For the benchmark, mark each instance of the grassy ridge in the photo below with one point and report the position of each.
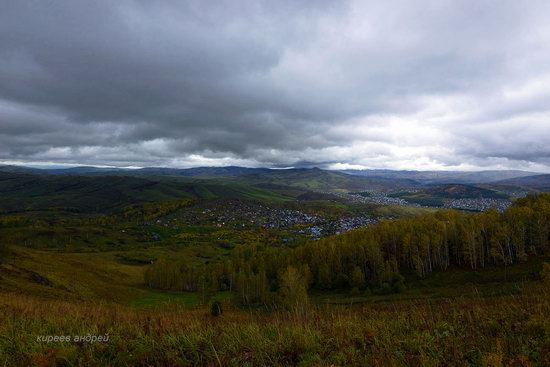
(104, 276)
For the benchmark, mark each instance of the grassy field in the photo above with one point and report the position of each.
(476, 331)
(103, 276)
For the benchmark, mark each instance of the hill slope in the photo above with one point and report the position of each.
(100, 193)
(228, 171)
(538, 182)
(436, 194)
(443, 177)
(316, 179)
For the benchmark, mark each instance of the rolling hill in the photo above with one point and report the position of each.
(444, 177)
(310, 178)
(7, 168)
(457, 191)
(103, 193)
(205, 172)
(538, 182)
(315, 179)
(434, 195)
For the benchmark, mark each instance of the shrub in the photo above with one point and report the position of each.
(342, 280)
(216, 309)
(398, 283)
(385, 288)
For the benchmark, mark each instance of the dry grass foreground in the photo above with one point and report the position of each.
(511, 330)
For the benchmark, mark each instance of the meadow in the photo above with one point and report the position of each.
(462, 331)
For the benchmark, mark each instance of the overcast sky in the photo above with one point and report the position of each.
(368, 84)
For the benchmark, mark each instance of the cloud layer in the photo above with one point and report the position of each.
(393, 84)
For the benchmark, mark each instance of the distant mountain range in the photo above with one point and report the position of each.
(445, 177)
(228, 171)
(315, 178)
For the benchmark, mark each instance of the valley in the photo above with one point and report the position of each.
(284, 248)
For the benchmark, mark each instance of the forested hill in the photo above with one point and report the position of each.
(375, 257)
(22, 191)
(316, 179)
(538, 182)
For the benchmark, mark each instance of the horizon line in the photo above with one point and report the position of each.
(62, 166)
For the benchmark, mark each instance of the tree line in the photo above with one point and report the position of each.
(374, 257)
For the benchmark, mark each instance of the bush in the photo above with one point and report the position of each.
(342, 280)
(385, 288)
(216, 309)
(398, 283)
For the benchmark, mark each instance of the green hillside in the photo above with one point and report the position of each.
(435, 195)
(315, 179)
(107, 193)
(538, 182)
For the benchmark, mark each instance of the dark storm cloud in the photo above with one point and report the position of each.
(377, 84)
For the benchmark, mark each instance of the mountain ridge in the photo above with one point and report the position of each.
(427, 176)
